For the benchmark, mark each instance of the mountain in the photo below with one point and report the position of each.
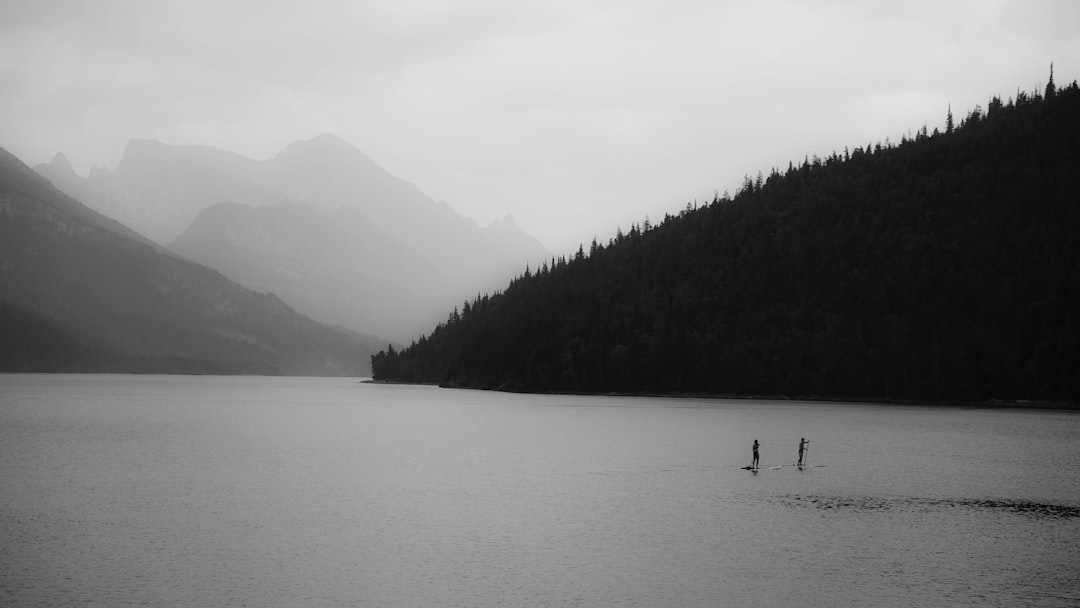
(33, 343)
(415, 258)
(81, 292)
(338, 267)
(943, 268)
(158, 189)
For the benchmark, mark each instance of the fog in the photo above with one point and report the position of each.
(573, 117)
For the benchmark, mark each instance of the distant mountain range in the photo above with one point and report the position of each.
(336, 266)
(943, 268)
(82, 292)
(320, 225)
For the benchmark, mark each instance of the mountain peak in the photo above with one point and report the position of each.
(61, 164)
(141, 155)
(137, 145)
(326, 149)
(507, 221)
(150, 147)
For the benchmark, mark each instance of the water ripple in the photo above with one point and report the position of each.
(870, 504)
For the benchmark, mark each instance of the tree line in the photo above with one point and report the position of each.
(944, 267)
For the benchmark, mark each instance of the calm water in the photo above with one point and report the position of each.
(203, 491)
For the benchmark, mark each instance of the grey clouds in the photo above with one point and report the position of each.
(575, 117)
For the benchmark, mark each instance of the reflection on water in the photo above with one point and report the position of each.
(872, 504)
(125, 490)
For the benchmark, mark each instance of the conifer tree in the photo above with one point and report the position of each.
(940, 268)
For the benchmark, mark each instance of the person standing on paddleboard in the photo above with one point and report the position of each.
(754, 464)
(803, 445)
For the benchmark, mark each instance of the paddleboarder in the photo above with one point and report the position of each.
(803, 446)
(754, 464)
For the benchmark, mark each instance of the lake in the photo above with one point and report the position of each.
(248, 491)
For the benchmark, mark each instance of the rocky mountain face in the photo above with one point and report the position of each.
(84, 293)
(321, 225)
(158, 189)
(338, 267)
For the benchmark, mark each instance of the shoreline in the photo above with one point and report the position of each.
(984, 404)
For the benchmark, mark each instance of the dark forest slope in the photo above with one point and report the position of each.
(945, 267)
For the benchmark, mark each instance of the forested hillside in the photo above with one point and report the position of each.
(943, 267)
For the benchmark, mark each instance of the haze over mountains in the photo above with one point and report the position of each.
(320, 225)
(81, 292)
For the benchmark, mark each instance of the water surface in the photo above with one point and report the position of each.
(239, 491)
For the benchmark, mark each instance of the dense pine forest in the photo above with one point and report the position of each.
(944, 267)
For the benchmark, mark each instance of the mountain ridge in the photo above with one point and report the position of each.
(85, 293)
(160, 190)
(324, 264)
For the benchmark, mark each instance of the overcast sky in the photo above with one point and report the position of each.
(573, 116)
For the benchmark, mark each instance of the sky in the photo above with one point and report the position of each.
(574, 116)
